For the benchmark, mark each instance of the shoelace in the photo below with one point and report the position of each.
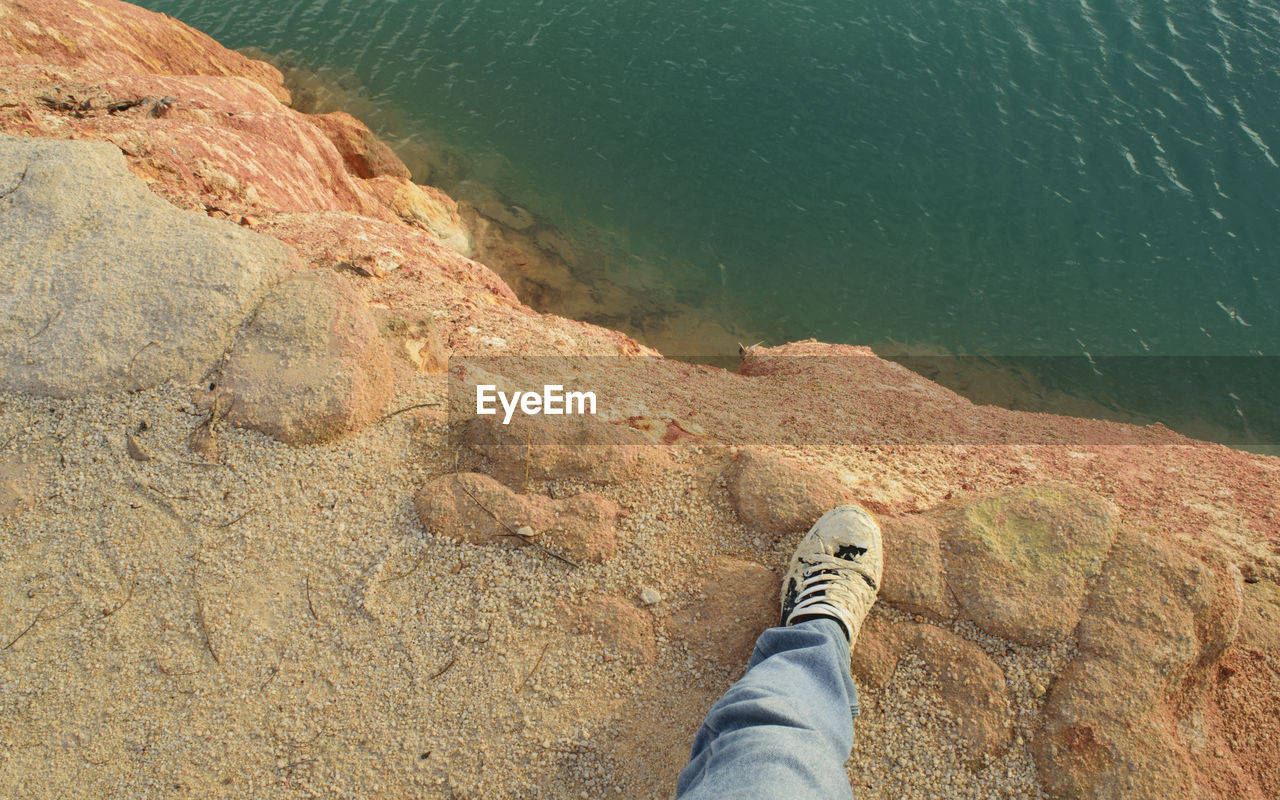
(818, 579)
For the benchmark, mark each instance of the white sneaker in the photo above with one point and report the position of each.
(835, 572)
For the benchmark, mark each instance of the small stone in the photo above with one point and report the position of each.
(525, 532)
(135, 450)
(650, 596)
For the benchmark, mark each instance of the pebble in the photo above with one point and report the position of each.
(650, 596)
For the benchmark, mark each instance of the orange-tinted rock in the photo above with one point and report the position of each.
(110, 37)
(620, 626)
(583, 527)
(224, 144)
(738, 600)
(475, 508)
(973, 690)
(914, 579)
(1116, 721)
(428, 208)
(1018, 562)
(1247, 694)
(578, 447)
(778, 496)
(880, 645)
(310, 365)
(365, 155)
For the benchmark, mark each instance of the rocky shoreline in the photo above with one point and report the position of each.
(242, 556)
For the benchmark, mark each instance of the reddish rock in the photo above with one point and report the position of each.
(365, 155)
(620, 626)
(109, 37)
(477, 509)
(880, 646)
(913, 579)
(778, 496)
(1247, 697)
(583, 527)
(738, 600)
(1115, 724)
(310, 365)
(1018, 562)
(973, 690)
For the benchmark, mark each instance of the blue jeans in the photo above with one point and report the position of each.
(786, 728)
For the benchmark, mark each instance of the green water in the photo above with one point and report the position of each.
(1006, 178)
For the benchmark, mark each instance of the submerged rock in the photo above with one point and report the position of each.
(106, 288)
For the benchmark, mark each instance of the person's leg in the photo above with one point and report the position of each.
(784, 730)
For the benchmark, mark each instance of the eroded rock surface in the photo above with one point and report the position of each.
(620, 626)
(310, 365)
(914, 579)
(365, 155)
(778, 496)
(577, 447)
(1018, 562)
(106, 288)
(973, 689)
(737, 602)
(1116, 723)
(477, 509)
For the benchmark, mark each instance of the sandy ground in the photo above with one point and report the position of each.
(280, 625)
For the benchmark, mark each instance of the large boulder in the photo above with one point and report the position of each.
(104, 287)
(310, 365)
(1123, 720)
(779, 496)
(1018, 562)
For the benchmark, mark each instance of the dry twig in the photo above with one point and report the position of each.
(412, 569)
(26, 630)
(310, 607)
(444, 669)
(204, 626)
(513, 532)
(135, 358)
(106, 612)
(413, 407)
(536, 664)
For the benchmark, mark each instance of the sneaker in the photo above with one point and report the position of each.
(835, 572)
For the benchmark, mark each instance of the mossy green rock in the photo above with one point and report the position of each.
(1017, 563)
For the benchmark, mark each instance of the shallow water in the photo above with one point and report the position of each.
(1007, 178)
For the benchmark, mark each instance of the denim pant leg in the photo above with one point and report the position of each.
(786, 728)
